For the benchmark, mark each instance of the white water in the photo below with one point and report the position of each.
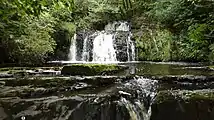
(146, 89)
(103, 45)
(133, 51)
(123, 27)
(72, 50)
(103, 49)
(85, 54)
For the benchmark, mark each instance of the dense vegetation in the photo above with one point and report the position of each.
(180, 30)
(32, 32)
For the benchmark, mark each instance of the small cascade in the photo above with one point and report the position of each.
(139, 108)
(85, 53)
(72, 50)
(132, 51)
(113, 44)
(128, 43)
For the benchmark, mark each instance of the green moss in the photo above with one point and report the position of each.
(164, 96)
(211, 67)
(184, 105)
(91, 69)
(184, 95)
(202, 95)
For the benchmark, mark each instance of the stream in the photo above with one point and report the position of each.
(42, 93)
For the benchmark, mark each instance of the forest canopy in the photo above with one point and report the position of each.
(33, 32)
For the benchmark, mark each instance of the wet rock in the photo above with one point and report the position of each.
(91, 69)
(182, 78)
(2, 83)
(121, 45)
(184, 105)
(66, 108)
(5, 75)
(3, 115)
(116, 102)
(186, 82)
(27, 71)
(63, 81)
(31, 87)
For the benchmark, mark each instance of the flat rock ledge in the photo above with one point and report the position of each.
(92, 69)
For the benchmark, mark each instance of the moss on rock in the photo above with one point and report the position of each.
(184, 105)
(91, 69)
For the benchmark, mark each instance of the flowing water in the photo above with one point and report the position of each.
(130, 95)
(103, 49)
(108, 45)
(127, 95)
(72, 55)
(140, 108)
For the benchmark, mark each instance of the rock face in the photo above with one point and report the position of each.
(91, 69)
(66, 108)
(169, 97)
(114, 102)
(184, 105)
(113, 43)
(123, 45)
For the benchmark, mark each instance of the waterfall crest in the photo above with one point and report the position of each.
(113, 44)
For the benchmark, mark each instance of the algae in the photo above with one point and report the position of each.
(91, 69)
(183, 105)
(184, 95)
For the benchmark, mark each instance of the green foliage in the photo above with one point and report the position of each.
(32, 31)
(27, 28)
(194, 45)
(189, 24)
(94, 14)
(126, 9)
(178, 15)
(63, 36)
(34, 45)
(155, 45)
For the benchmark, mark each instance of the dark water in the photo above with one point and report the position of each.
(167, 68)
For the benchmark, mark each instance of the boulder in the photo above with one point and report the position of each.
(91, 69)
(184, 105)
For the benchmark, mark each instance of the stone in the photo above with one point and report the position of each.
(91, 69)
(62, 108)
(184, 105)
(5, 75)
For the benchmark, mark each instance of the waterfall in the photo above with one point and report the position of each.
(103, 49)
(85, 53)
(113, 44)
(72, 50)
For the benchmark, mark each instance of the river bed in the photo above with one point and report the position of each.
(145, 91)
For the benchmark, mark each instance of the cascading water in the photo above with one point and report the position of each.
(110, 45)
(132, 50)
(139, 108)
(72, 50)
(85, 53)
(123, 27)
(103, 49)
